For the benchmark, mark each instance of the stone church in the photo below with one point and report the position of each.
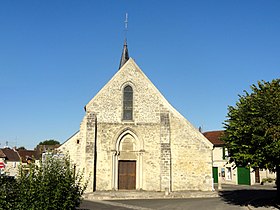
(131, 138)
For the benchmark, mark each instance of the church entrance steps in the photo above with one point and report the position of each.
(121, 195)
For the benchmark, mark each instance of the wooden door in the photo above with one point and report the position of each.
(127, 175)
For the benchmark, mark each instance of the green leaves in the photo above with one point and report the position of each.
(51, 184)
(252, 128)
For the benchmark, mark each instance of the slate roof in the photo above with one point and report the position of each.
(214, 137)
(125, 55)
(11, 155)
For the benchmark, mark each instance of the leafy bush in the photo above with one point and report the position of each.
(52, 184)
(8, 192)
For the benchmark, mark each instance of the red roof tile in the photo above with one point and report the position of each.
(214, 137)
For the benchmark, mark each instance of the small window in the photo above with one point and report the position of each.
(225, 153)
(127, 103)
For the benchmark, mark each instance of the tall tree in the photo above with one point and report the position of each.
(252, 128)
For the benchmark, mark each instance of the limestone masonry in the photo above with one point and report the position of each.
(131, 138)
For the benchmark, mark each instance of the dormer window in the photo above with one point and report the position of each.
(127, 103)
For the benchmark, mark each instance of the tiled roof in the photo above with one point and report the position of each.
(2, 155)
(28, 155)
(11, 155)
(214, 137)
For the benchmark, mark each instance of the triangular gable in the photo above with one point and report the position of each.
(161, 97)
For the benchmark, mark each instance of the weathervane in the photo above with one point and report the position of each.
(126, 25)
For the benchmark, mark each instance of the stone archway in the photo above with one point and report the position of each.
(127, 159)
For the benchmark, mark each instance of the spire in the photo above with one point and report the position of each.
(125, 55)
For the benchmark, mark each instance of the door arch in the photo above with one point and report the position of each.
(127, 160)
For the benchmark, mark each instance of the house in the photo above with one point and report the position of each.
(221, 165)
(228, 172)
(10, 161)
(28, 156)
(131, 138)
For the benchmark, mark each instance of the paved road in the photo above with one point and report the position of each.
(164, 204)
(231, 198)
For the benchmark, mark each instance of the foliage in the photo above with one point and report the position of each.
(21, 148)
(252, 132)
(49, 142)
(52, 184)
(8, 192)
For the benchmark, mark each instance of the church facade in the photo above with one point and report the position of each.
(131, 138)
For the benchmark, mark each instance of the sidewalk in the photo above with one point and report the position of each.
(121, 195)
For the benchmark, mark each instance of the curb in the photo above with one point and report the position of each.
(149, 195)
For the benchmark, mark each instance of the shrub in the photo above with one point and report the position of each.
(52, 184)
(8, 192)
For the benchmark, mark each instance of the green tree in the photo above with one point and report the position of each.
(252, 128)
(49, 142)
(52, 184)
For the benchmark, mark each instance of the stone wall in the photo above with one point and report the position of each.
(191, 157)
(169, 152)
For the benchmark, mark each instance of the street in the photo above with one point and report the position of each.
(231, 197)
(165, 204)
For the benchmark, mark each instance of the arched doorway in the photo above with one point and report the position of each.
(127, 162)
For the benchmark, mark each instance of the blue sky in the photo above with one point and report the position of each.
(56, 55)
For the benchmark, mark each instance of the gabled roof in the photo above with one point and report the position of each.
(2, 155)
(214, 137)
(130, 65)
(28, 155)
(11, 155)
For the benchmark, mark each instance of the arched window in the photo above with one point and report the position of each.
(127, 102)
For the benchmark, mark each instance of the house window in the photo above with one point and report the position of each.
(223, 172)
(127, 102)
(225, 153)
